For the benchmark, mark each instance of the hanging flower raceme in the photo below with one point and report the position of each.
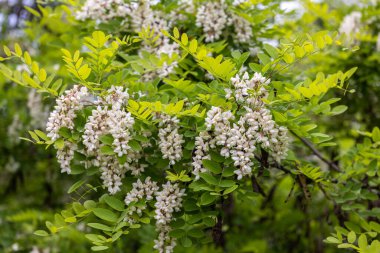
(103, 10)
(64, 112)
(168, 201)
(212, 18)
(141, 192)
(351, 23)
(170, 140)
(240, 139)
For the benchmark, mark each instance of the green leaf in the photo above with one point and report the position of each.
(186, 242)
(332, 240)
(41, 233)
(231, 189)
(59, 144)
(362, 241)
(42, 75)
(184, 39)
(193, 46)
(196, 233)
(75, 186)
(376, 134)
(99, 248)
(339, 109)
(114, 203)
(209, 178)
(105, 214)
(71, 219)
(351, 237)
(106, 150)
(271, 50)
(227, 183)
(18, 49)
(106, 139)
(212, 166)
(177, 233)
(7, 51)
(288, 58)
(345, 246)
(176, 32)
(100, 226)
(32, 11)
(207, 198)
(135, 145)
(264, 58)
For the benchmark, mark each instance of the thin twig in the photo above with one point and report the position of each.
(316, 152)
(256, 186)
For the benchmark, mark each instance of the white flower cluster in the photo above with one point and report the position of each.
(170, 141)
(143, 17)
(38, 112)
(243, 29)
(117, 122)
(249, 91)
(168, 201)
(239, 140)
(212, 18)
(65, 155)
(14, 130)
(12, 165)
(116, 97)
(202, 147)
(63, 116)
(351, 23)
(103, 10)
(95, 127)
(256, 127)
(140, 190)
(239, 2)
(64, 112)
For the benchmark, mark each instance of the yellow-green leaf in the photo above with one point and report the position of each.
(176, 32)
(184, 39)
(18, 49)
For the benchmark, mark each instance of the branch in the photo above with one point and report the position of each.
(256, 187)
(317, 153)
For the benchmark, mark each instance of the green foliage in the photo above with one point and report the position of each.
(173, 80)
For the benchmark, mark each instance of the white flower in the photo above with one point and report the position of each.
(202, 146)
(14, 130)
(112, 173)
(103, 10)
(249, 91)
(255, 128)
(170, 141)
(119, 123)
(140, 191)
(116, 97)
(12, 165)
(168, 201)
(212, 18)
(65, 155)
(95, 127)
(243, 29)
(38, 112)
(351, 23)
(239, 2)
(64, 112)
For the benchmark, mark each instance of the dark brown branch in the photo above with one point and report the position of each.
(256, 186)
(263, 162)
(218, 234)
(316, 152)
